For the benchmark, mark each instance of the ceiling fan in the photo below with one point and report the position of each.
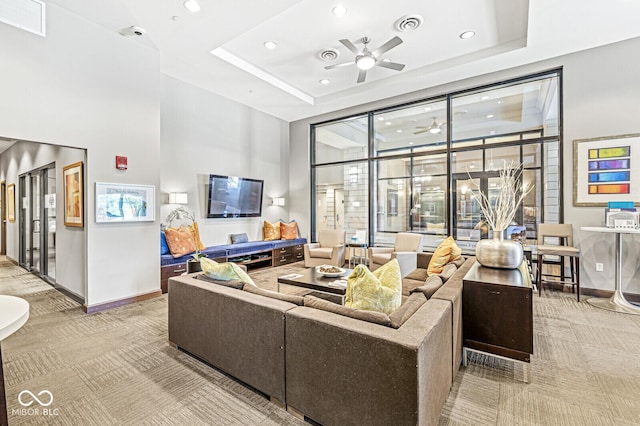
(366, 59)
(434, 128)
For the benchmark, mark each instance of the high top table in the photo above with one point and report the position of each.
(617, 302)
(14, 312)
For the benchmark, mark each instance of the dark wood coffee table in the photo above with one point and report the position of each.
(312, 280)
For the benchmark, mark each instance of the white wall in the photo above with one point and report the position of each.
(88, 87)
(601, 98)
(204, 133)
(23, 157)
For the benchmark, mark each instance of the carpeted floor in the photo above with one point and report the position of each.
(116, 367)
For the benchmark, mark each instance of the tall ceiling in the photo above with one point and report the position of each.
(285, 81)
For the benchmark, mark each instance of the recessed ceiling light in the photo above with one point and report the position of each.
(380, 118)
(490, 116)
(388, 123)
(192, 5)
(501, 101)
(270, 44)
(399, 131)
(484, 98)
(492, 132)
(325, 81)
(467, 34)
(339, 10)
(410, 143)
(427, 108)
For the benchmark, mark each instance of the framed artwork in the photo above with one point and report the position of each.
(11, 202)
(73, 195)
(392, 203)
(606, 169)
(120, 202)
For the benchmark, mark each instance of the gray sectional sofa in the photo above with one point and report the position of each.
(332, 368)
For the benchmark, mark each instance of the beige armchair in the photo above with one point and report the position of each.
(405, 249)
(329, 250)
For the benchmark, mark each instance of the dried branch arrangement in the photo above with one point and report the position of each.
(501, 214)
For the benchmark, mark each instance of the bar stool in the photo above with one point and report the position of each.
(564, 234)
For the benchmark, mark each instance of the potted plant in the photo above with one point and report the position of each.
(498, 252)
(193, 265)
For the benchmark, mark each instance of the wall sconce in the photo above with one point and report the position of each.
(178, 198)
(279, 201)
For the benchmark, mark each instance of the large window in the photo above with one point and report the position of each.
(413, 167)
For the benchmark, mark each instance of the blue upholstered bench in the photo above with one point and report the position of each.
(258, 253)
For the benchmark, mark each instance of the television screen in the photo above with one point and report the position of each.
(232, 196)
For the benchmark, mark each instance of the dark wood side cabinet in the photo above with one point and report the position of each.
(497, 312)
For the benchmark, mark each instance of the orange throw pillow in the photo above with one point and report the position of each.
(443, 255)
(180, 241)
(195, 233)
(271, 231)
(289, 231)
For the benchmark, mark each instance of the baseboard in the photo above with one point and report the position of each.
(116, 303)
(69, 294)
(590, 292)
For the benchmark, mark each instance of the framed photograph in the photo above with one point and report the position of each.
(73, 183)
(120, 202)
(606, 169)
(11, 202)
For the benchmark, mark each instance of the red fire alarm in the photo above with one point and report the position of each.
(121, 162)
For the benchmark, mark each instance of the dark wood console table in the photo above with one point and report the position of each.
(497, 313)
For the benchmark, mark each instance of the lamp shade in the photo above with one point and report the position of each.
(278, 201)
(178, 198)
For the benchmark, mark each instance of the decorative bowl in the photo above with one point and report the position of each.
(329, 270)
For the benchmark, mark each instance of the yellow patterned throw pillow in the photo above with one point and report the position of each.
(447, 251)
(271, 231)
(195, 233)
(289, 231)
(227, 271)
(380, 290)
(180, 241)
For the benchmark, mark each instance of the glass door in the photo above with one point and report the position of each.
(24, 218)
(35, 222)
(49, 208)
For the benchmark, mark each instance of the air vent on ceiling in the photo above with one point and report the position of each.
(409, 22)
(28, 15)
(328, 55)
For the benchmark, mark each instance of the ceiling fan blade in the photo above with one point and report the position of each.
(419, 132)
(387, 46)
(362, 75)
(352, 47)
(390, 65)
(344, 64)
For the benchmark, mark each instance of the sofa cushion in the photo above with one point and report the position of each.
(321, 252)
(227, 271)
(239, 238)
(407, 309)
(229, 283)
(369, 316)
(180, 241)
(288, 231)
(380, 290)
(430, 286)
(417, 274)
(447, 272)
(445, 252)
(459, 261)
(271, 231)
(298, 300)
(164, 248)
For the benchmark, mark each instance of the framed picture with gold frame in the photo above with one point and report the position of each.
(11, 202)
(73, 194)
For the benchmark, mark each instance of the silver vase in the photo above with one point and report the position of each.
(499, 253)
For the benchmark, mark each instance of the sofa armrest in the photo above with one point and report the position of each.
(337, 255)
(309, 246)
(401, 376)
(408, 261)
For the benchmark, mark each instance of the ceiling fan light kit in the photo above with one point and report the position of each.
(366, 59)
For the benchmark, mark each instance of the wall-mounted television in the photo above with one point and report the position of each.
(232, 196)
